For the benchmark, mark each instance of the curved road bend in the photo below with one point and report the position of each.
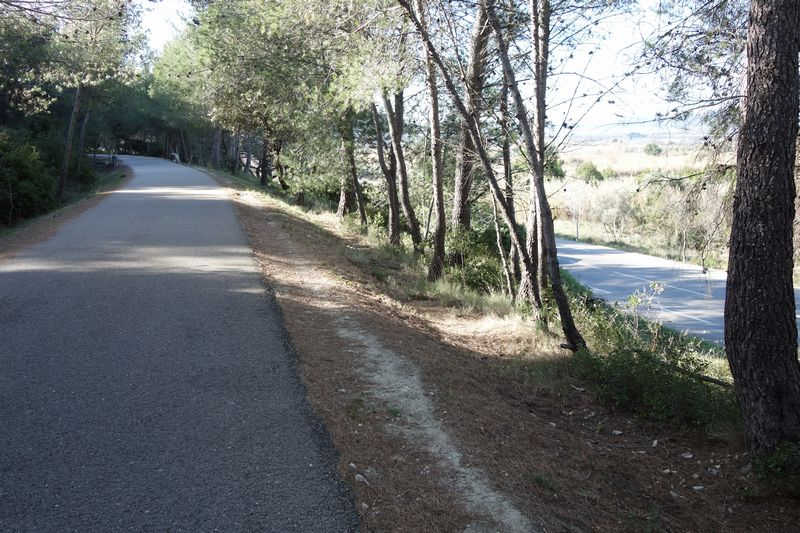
(692, 301)
(145, 382)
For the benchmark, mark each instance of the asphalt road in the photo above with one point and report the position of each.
(145, 379)
(692, 301)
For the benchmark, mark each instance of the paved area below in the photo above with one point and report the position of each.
(145, 379)
(692, 300)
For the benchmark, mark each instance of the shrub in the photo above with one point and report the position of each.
(553, 165)
(781, 468)
(474, 260)
(653, 149)
(27, 185)
(589, 173)
(641, 381)
(642, 367)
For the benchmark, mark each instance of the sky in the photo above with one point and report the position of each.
(163, 20)
(635, 103)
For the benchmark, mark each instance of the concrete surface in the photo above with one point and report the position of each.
(693, 301)
(145, 379)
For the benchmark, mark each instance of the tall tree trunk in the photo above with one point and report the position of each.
(235, 160)
(265, 164)
(348, 150)
(760, 327)
(82, 139)
(390, 174)
(436, 266)
(535, 153)
(465, 154)
(396, 118)
(249, 159)
(505, 124)
(216, 149)
(279, 166)
(477, 139)
(345, 189)
(64, 176)
(186, 156)
(540, 29)
(504, 259)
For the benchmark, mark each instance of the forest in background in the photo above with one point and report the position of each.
(434, 126)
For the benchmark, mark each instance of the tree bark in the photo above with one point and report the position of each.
(540, 30)
(465, 154)
(390, 173)
(82, 138)
(474, 130)
(504, 259)
(216, 149)
(279, 166)
(186, 156)
(235, 161)
(348, 150)
(249, 158)
(64, 176)
(436, 266)
(760, 327)
(505, 124)
(536, 155)
(265, 165)
(395, 115)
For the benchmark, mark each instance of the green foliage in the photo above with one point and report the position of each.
(589, 173)
(27, 185)
(781, 468)
(641, 381)
(642, 367)
(653, 149)
(553, 165)
(475, 263)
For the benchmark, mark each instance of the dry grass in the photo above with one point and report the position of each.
(628, 158)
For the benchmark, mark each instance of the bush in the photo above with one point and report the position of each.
(27, 185)
(642, 367)
(653, 149)
(641, 381)
(589, 173)
(474, 259)
(781, 468)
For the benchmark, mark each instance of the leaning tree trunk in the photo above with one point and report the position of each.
(436, 266)
(760, 327)
(535, 155)
(477, 139)
(64, 176)
(390, 173)
(466, 159)
(395, 115)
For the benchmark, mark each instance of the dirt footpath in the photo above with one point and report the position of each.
(443, 426)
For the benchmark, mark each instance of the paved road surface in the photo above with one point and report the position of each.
(692, 301)
(145, 384)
